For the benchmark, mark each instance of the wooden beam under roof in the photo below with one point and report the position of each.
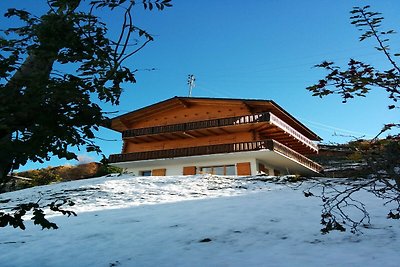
(176, 136)
(166, 136)
(248, 107)
(225, 131)
(183, 102)
(211, 131)
(189, 135)
(263, 126)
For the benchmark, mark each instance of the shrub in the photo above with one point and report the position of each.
(43, 176)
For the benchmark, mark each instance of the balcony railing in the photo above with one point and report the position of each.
(253, 118)
(290, 153)
(289, 129)
(188, 126)
(218, 149)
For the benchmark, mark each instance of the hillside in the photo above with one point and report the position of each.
(63, 173)
(68, 172)
(339, 161)
(336, 160)
(192, 221)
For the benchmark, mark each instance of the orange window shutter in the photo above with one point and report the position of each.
(158, 172)
(243, 168)
(189, 170)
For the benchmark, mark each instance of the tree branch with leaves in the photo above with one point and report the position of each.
(382, 156)
(50, 70)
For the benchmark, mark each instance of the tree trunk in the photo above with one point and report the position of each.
(34, 71)
(5, 168)
(6, 161)
(36, 66)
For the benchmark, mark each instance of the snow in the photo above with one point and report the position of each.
(161, 221)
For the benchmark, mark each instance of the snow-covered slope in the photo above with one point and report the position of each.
(192, 221)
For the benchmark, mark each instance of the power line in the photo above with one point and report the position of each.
(329, 128)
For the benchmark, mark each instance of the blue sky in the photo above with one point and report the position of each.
(251, 49)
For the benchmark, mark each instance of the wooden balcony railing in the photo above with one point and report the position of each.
(218, 149)
(188, 126)
(290, 130)
(253, 118)
(290, 153)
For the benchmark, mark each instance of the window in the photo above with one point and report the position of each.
(230, 170)
(145, 173)
(206, 170)
(262, 169)
(219, 170)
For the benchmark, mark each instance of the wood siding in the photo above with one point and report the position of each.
(189, 142)
(194, 113)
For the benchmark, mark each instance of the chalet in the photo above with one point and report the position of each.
(188, 135)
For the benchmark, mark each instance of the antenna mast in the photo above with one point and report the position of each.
(190, 82)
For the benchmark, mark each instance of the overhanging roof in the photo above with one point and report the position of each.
(174, 102)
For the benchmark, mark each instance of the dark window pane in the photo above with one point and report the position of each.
(145, 173)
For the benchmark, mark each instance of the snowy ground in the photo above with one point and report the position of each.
(161, 221)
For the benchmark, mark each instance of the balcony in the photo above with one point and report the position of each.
(190, 126)
(270, 145)
(267, 124)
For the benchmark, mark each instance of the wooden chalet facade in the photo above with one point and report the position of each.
(188, 135)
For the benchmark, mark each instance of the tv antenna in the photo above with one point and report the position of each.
(190, 82)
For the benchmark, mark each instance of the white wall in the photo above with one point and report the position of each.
(174, 166)
(177, 167)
